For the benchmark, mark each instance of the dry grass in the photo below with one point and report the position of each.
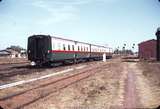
(100, 91)
(149, 83)
(12, 60)
(151, 70)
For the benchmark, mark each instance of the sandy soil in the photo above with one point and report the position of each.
(118, 84)
(102, 90)
(148, 83)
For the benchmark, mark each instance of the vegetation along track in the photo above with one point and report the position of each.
(8, 71)
(45, 87)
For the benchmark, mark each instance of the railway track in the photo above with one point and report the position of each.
(44, 88)
(9, 73)
(9, 70)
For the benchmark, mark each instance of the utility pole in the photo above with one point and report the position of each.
(158, 44)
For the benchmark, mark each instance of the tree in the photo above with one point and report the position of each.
(16, 48)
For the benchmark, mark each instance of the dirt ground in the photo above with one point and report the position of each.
(118, 84)
(10, 60)
(110, 88)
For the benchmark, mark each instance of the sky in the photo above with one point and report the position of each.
(105, 22)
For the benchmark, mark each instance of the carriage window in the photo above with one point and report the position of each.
(73, 47)
(68, 47)
(59, 46)
(64, 48)
(81, 48)
(84, 48)
(78, 48)
(53, 46)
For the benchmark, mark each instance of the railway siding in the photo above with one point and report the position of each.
(39, 78)
(46, 87)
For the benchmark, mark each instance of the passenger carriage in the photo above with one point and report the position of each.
(44, 49)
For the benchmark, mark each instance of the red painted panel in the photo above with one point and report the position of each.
(147, 49)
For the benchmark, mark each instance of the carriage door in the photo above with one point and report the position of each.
(39, 48)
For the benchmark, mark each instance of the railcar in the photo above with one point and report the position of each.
(45, 49)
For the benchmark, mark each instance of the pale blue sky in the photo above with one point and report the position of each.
(112, 22)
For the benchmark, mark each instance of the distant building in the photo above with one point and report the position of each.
(147, 50)
(23, 53)
(4, 53)
(12, 53)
